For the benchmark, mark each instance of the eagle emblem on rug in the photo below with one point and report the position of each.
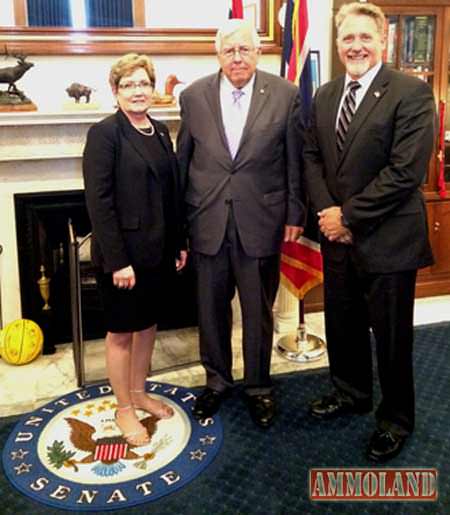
(105, 453)
(71, 454)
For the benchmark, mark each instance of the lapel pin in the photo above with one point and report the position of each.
(261, 91)
(377, 94)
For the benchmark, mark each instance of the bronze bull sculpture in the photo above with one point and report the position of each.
(76, 91)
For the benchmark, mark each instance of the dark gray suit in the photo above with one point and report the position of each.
(376, 180)
(236, 211)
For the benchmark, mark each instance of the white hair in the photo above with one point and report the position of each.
(234, 25)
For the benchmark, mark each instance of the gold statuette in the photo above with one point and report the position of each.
(44, 288)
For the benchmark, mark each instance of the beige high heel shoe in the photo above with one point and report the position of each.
(134, 438)
(163, 411)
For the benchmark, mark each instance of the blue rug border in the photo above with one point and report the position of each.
(181, 461)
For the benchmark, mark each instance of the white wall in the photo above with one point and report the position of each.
(7, 13)
(320, 22)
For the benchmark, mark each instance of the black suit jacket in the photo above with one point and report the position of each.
(377, 177)
(263, 181)
(128, 226)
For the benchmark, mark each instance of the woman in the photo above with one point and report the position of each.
(131, 183)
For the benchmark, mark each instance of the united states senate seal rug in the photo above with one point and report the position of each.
(70, 454)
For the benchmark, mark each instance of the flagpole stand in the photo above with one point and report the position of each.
(301, 347)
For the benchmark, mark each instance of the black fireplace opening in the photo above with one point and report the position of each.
(42, 221)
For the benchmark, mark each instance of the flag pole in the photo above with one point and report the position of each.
(300, 260)
(301, 346)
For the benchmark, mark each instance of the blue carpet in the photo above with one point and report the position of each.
(266, 472)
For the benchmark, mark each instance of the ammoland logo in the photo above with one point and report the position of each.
(377, 484)
(71, 455)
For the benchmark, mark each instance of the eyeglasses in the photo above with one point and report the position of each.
(243, 51)
(131, 86)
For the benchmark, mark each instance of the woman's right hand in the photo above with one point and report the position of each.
(180, 262)
(124, 278)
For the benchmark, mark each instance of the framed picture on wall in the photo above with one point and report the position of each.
(315, 69)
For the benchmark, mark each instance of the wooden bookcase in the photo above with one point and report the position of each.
(418, 43)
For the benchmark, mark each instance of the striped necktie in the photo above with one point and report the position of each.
(347, 111)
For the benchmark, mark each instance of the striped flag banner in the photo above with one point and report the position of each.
(301, 266)
(301, 263)
(236, 9)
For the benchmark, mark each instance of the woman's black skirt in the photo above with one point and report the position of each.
(136, 309)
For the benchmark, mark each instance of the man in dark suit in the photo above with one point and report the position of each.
(366, 154)
(239, 151)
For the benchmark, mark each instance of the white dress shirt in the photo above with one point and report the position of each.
(365, 81)
(234, 116)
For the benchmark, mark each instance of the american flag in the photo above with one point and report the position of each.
(301, 263)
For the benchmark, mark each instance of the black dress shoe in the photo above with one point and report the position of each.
(336, 405)
(262, 409)
(207, 403)
(384, 445)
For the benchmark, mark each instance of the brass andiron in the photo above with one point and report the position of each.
(44, 288)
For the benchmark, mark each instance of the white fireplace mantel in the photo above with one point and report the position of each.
(40, 152)
(74, 117)
(31, 136)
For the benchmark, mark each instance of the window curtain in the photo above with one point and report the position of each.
(109, 13)
(49, 13)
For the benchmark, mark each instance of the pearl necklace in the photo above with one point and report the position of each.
(152, 130)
